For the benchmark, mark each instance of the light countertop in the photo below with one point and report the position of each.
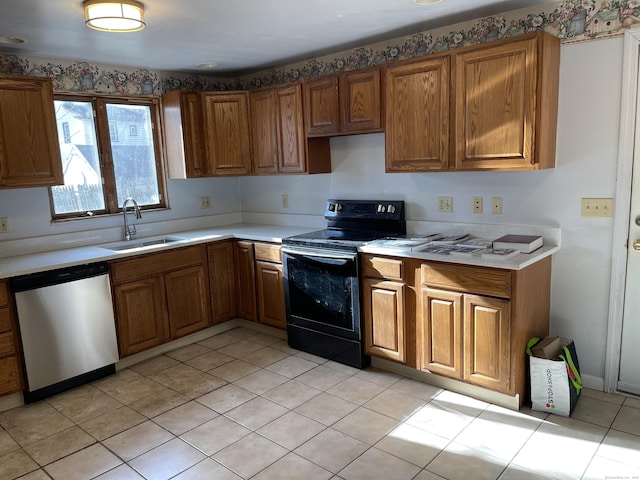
(517, 262)
(39, 262)
(50, 260)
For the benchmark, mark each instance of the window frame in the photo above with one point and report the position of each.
(104, 144)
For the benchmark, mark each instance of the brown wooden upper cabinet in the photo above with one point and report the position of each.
(503, 100)
(322, 106)
(228, 141)
(29, 151)
(506, 105)
(184, 135)
(278, 139)
(361, 101)
(417, 126)
(207, 134)
(345, 103)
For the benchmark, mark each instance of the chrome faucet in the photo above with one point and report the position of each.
(130, 230)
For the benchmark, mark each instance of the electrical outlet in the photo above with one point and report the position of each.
(285, 200)
(477, 204)
(496, 205)
(597, 207)
(205, 202)
(445, 204)
(4, 225)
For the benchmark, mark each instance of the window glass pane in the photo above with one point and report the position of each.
(134, 161)
(82, 190)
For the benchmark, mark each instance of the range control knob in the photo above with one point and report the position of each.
(338, 207)
(332, 207)
(382, 208)
(391, 208)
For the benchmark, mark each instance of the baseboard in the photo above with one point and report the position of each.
(594, 383)
(11, 401)
(506, 401)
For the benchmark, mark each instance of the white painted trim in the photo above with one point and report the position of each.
(594, 383)
(480, 393)
(626, 150)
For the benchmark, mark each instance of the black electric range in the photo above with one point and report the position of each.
(321, 271)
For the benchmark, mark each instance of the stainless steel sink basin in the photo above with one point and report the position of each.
(123, 247)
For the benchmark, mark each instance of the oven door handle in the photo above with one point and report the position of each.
(327, 259)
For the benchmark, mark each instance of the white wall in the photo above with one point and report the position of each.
(589, 109)
(30, 216)
(588, 119)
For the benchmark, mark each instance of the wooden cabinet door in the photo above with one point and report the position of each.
(10, 375)
(188, 300)
(384, 319)
(141, 315)
(487, 334)
(495, 107)
(322, 106)
(361, 101)
(441, 319)
(10, 371)
(29, 150)
(264, 131)
(270, 286)
(227, 132)
(291, 146)
(222, 281)
(245, 280)
(417, 116)
(184, 134)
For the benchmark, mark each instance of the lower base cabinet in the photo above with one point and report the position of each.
(160, 297)
(260, 283)
(388, 304)
(222, 281)
(466, 337)
(244, 257)
(11, 380)
(468, 323)
(270, 285)
(142, 320)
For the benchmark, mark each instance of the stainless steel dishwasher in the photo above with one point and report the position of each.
(67, 328)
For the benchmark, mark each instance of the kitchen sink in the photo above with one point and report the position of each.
(123, 247)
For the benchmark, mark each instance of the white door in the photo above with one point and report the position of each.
(629, 375)
(624, 315)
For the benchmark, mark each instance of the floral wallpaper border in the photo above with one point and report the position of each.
(570, 20)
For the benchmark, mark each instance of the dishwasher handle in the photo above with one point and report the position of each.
(58, 276)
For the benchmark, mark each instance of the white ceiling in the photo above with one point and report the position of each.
(240, 35)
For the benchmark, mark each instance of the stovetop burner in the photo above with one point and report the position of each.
(352, 223)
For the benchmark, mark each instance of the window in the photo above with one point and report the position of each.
(66, 132)
(102, 165)
(113, 132)
(133, 130)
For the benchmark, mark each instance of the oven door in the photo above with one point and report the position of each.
(321, 291)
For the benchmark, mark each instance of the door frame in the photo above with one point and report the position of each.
(628, 150)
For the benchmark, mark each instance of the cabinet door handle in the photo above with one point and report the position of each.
(636, 245)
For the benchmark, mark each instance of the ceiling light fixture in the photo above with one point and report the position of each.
(111, 16)
(208, 65)
(425, 2)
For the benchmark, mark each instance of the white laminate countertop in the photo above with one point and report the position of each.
(517, 262)
(50, 260)
(43, 261)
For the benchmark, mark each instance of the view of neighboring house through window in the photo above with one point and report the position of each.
(103, 160)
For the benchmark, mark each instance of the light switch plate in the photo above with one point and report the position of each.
(4, 225)
(597, 207)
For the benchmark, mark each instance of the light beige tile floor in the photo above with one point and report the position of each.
(243, 404)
